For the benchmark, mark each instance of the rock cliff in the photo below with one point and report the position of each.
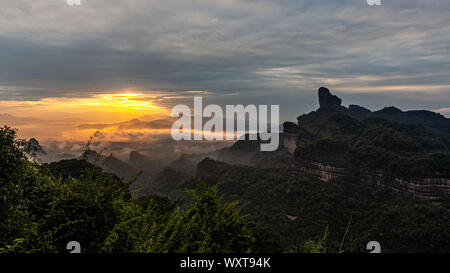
(370, 136)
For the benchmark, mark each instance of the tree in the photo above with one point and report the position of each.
(207, 226)
(19, 188)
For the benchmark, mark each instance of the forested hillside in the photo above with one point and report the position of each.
(42, 208)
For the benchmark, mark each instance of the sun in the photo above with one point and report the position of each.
(101, 107)
(130, 101)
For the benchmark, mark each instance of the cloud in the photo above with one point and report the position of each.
(444, 111)
(277, 51)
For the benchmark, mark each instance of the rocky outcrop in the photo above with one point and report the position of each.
(34, 147)
(332, 105)
(333, 165)
(326, 99)
(325, 172)
(431, 189)
(434, 190)
(290, 136)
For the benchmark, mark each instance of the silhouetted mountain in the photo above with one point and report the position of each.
(58, 157)
(328, 100)
(331, 105)
(35, 148)
(10, 120)
(149, 165)
(248, 152)
(110, 164)
(68, 168)
(188, 162)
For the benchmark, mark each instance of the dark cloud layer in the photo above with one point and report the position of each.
(240, 51)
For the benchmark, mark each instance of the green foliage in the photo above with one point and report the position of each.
(20, 192)
(269, 195)
(207, 226)
(141, 220)
(164, 183)
(319, 246)
(377, 145)
(42, 208)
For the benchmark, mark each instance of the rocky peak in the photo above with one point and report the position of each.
(326, 99)
(34, 148)
(34, 142)
(135, 157)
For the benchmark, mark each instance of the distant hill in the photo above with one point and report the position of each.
(7, 119)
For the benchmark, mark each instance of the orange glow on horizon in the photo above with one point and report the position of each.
(61, 117)
(108, 106)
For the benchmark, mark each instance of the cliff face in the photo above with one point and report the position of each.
(431, 189)
(290, 136)
(335, 143)
(324, 171)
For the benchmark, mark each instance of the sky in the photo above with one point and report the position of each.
(65, 68)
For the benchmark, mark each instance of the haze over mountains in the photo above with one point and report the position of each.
(337, 166)
(90, 89)
(427, 132)
(123, 137)
(385, 173)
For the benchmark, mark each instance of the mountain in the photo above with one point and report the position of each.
(334, 144)
(188, 162)
(300, 206)
(7, 119)
(111, 164)
(168, 182)
(331, 105)
(385, 174)
(357, 174)
(403, 151)
(150, 165)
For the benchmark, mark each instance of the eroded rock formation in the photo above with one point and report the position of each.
(433, 189)
(326, 99)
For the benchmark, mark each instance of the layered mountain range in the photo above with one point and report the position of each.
(383, 173)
